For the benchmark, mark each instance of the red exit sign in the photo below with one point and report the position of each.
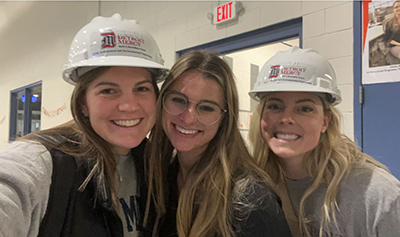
(224, 12)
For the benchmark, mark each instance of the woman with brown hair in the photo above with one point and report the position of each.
(202, 179)
(86, 177)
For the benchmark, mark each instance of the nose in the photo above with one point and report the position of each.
(189, 115)
(287, 117)
(128, 103)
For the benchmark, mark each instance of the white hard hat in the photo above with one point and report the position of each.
(297, 70)
(112, 41)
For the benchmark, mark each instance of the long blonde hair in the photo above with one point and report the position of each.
(328, 163)
(205, 202)
(77, 138)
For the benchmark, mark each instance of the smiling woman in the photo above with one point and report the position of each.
(120, 105)
(285, 108)
(211, 187)
(86, 177)
(186, 131)
(328, 187)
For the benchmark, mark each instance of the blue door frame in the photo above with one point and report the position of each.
(277, 32)
(357, 52)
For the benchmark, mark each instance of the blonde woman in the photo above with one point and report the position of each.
(209, 186)
(328, 187)
(86, 177)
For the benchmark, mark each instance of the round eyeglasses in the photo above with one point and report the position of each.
(207, 112)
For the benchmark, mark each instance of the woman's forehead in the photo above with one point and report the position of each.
(292, 95)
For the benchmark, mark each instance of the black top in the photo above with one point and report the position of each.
(72, 213)
(263, 218)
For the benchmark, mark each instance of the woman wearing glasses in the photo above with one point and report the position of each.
(202, 178)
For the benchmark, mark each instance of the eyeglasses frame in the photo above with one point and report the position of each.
(194, 102)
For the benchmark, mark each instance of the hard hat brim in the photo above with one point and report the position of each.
(112, 62)
(267, 88)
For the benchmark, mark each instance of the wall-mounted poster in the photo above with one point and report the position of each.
(381, 42)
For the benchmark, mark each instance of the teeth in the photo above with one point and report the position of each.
(182, 130)
(286, 136)
(127, 123)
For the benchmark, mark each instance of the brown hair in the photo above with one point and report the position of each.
(225, 160)
(77, 137)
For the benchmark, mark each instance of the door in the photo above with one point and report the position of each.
(377, 129)
(381, 124)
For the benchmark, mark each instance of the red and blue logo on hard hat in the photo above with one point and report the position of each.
(274, 72)
(108, 40)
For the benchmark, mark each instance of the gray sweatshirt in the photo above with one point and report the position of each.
(25, 177)
(368, 201)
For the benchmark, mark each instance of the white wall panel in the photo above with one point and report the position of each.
(210, 33)
(277, 11)
(148, 22)
(333, 45)
(199, 18)
(339, 17)
(247, 22)
(347, 99)
(314, 24)
(314, 6)
(187, 40)
(348, 125)
(344, 69)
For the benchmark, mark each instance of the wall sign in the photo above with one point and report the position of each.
(381, 42)
(226, 12)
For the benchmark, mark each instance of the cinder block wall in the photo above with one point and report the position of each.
(35, 38)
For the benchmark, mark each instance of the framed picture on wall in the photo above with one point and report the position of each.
(381, 41)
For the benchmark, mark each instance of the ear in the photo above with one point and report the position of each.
(85, 110)
(326, 120)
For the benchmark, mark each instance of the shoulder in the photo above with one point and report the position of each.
(25, 178)
(251, 187)
(257, 210)
(22, 145)
(27, 163)
(370, 178)
(250, 194)
(369, 200)
(28, 153)
(371, 188)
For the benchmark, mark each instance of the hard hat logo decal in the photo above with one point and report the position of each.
(297, 71)
(130, 40)
(274, 72)
(287, 72)
(120, 43)
(108, 40)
